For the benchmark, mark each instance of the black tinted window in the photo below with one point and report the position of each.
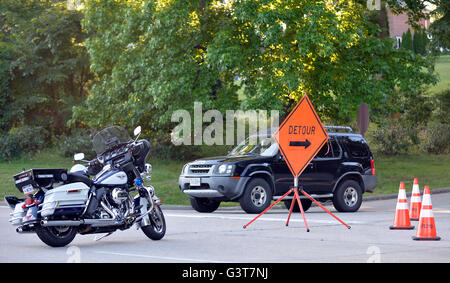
(356, 146)
(336, 148)
(325, 151)
(329, 150)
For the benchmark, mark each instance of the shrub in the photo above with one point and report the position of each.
(442, 106)
(19, 141)
(394, 137)
(437, 138)
(78, 141)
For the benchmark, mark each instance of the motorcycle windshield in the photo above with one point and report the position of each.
(109, 137)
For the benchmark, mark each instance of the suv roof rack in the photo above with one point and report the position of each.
(338, 128)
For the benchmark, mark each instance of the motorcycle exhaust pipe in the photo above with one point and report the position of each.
(53, 223)
(92, 222)
(102, 222)
(23, 230)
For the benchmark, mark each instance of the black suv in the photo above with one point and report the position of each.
(254, 173)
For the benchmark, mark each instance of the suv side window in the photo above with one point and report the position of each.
(336, 149)
(329, 150)
(356, 146)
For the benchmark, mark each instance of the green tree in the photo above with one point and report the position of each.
(154, 57)
(49, 66)
(407, 41)
(5, 113)
(420, 42)
(151, 59)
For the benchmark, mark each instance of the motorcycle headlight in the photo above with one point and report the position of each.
(225, 169)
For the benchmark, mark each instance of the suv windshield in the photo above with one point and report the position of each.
(257, 145)
(109, 137)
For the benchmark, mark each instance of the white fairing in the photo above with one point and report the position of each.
(143, 202)
(70, 195)
(78, 168)
(112, 178)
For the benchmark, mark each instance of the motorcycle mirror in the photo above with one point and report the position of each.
(148, 168)
(137, 131)
(78, 156)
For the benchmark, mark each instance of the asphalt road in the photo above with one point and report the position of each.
(219, 237)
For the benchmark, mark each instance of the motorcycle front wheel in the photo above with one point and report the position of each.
(157, 228)
(56, 236)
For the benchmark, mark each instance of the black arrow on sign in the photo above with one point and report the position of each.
(300, 143)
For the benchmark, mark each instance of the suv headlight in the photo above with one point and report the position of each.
(183, 171)
(225, 169)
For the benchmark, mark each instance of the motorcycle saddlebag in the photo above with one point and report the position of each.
(68, 199)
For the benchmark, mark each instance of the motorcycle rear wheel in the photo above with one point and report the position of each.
(157, 228)
(56, 236)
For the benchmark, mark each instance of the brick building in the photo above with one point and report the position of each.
(398, 24)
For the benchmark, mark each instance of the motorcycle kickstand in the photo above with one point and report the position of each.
(101, 237)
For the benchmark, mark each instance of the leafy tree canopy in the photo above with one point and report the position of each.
(48, 63)
(153, 57)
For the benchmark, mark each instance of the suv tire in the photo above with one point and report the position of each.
(204, 204)
(257, 196)
(348, 196)
(306, 204)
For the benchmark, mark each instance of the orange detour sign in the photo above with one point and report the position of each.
(300, 136)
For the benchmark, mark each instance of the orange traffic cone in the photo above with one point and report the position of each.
(401, 219)
(427, 228)
(416, 202)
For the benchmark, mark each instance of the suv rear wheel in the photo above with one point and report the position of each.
(348, 196)
(256, 197)
(204, 204)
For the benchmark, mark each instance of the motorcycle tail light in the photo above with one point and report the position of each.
(372, 166)
(28, 201)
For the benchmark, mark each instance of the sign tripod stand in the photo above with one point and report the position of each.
(296, 197)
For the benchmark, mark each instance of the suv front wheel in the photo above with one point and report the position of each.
(256, 197)
(348, 196)
(204, 204)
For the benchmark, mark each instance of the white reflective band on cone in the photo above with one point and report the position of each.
(402, 205)
(426, 213)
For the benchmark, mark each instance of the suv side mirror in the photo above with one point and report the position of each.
(279, 156)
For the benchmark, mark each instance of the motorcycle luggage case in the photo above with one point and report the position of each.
(40, 178)
(68, 199)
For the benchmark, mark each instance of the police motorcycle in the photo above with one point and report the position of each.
(59, 204)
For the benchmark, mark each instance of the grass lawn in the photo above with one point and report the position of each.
(432, 170)
(164, 176)
(442, 67)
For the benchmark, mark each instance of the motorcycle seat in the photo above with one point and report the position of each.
(76, 177)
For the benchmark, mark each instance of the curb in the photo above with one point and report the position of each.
(394, 196)
(234, 208)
